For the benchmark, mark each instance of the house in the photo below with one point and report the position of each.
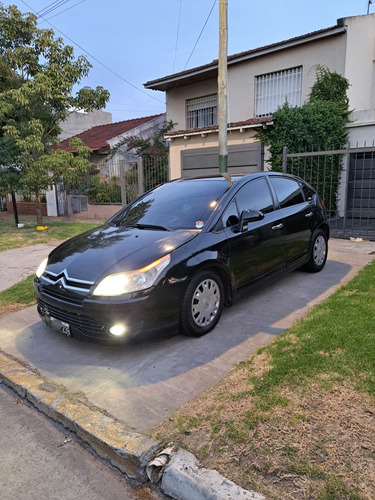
(102, 138)
(79, 120)
(259, 81)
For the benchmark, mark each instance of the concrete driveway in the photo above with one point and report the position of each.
(141, 384)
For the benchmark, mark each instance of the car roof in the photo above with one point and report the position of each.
(225, 176)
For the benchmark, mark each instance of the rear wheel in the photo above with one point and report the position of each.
(202, 304)
(318, 252)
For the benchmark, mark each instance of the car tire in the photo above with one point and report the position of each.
(202, 304)
(318, 252)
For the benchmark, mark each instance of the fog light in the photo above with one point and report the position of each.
(117, 330)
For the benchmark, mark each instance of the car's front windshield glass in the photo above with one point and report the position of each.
(183, 204)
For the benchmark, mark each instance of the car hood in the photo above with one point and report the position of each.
(104, 250)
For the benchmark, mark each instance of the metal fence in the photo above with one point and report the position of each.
(120, 180)
(345, 179)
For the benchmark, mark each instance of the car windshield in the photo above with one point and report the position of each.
(182, 204)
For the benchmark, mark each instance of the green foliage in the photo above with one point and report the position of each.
(318, 125)
(36, 95)
(10, 182)
(330, 87)
(20, 293)
(103, 191)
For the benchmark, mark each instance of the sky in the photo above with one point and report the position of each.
(130, 42)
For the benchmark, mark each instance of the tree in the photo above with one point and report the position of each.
(39, 73)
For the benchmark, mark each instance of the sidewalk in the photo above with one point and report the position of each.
(139, 385)
(16, 265)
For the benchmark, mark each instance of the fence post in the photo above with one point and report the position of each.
(141, 187)
(285, 152)
(122, 182)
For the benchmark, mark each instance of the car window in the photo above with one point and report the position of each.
(230, 215)
(255, 195)
(184, 204)
(307, 191)
(288, 191)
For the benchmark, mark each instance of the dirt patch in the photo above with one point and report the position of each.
(14, 307)
(320, 445)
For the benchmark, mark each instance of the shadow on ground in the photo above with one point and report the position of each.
(266, 312)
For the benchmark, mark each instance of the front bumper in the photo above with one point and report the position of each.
(143, 316)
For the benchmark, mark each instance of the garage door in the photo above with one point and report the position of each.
(245, 158)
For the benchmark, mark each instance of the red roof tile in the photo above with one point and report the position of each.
(96, 137)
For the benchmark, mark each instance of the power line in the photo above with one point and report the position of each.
(51, 7)
(71, 7)
(196, 43)
(177, 35)
(200, 34)
(96, 59)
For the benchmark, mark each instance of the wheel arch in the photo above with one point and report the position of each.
(222, 274)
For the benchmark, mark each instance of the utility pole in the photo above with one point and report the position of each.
(222, 85)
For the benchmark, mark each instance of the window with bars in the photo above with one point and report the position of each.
(201, 112)
(273, 89)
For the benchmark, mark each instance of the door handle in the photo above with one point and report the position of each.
(279, 226)
(310, 214)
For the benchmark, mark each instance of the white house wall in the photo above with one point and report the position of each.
(176, 100)
(241, 77)
(359, 62)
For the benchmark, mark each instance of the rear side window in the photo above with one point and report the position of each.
(255, 195)
(288, 191)
(308, 192)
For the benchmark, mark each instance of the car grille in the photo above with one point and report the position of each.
(87, 325)
(61, 286)
(51, 292)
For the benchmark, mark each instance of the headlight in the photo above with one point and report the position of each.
(132, 281)
(41, 268)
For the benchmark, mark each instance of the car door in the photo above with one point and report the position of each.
(258, 249)
(297, 216)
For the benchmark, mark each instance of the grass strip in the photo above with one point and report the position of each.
(20, 293)
(296, 419)
(14, 237)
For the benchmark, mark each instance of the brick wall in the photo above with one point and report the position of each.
(26, 208)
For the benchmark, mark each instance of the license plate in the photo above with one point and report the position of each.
(61, 326)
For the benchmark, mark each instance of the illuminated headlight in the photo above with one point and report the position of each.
(41, 268)
(132, 281)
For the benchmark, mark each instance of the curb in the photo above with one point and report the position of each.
(183, 479)
(113, 441)
(110, 439)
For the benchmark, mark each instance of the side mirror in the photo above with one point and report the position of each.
(247, 216)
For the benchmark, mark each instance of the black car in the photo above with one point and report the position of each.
(175, 256)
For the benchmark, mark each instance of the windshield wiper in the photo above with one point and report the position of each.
(150, 226)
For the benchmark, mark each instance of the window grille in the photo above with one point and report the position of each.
(272, 90)
(201, 112)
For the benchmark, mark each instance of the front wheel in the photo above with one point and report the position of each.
(318, 252)
(202, 304)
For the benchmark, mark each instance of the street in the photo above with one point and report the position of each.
(40, 460)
